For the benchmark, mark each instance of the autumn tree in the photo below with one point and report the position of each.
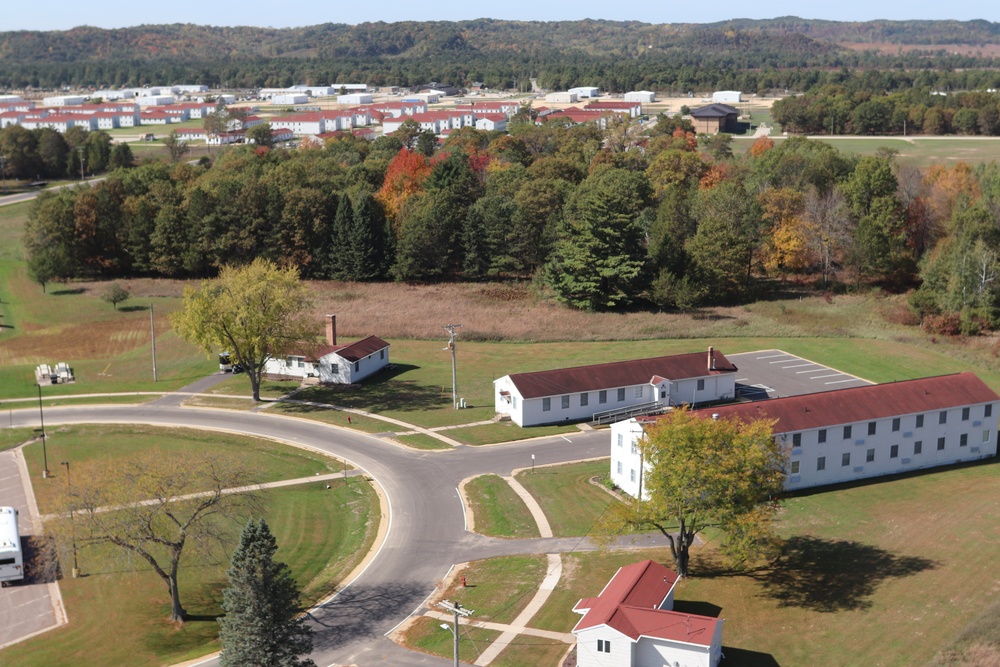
(176, 147)
(255, 312)
(699, 473)
(158, 509)
(404, 177)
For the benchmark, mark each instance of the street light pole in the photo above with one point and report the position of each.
(450, 328)
(79, 149)
(457, 610)
(41, 418)
(72, 521)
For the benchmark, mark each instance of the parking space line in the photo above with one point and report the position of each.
(800, 366)
(781, 361)
(741, 379)
(772, 356)
(839, 381)
(812, 370)
(831, 375)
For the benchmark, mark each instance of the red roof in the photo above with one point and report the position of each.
(618, 374)
(630, 603)
(298, 118)
(362, 348)
(858, 404)
(613, 105)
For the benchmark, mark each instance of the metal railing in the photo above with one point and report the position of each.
(608, 416)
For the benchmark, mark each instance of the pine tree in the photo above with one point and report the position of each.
(369, 240)
(260, 628)
(341, 262)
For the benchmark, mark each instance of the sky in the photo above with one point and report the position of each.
(65, 14)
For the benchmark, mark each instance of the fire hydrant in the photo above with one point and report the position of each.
(348, 419)
(463, 582)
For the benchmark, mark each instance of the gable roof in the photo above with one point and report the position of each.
(362, 348)
(630, 604)
(618, 374)
(714, 111)
(858, 404)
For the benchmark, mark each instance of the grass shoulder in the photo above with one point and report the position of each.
(497, 510)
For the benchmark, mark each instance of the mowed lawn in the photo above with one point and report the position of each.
(886, 573)
(552, 486)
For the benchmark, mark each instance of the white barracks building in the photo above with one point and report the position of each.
(852, 434)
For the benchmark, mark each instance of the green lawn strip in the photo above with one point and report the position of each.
(12, 437)
(335, 417)
(106, 443)
(422, 441)
(426, 634)
(529, 650)
(239, 384)
(222, 402)
(487, 434)
(120, 617)
(122, 399)
(570, 502)
(498, 510)
(498, 588)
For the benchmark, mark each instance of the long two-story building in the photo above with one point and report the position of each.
(852, 434)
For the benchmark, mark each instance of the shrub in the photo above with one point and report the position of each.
(947, 324)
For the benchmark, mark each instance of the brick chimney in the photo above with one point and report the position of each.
(331, 329)
(711, 358)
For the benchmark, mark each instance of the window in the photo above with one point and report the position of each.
(357, 366)
(546, 404)
(869, 456)
(701, 385)
(821, 436)
(638, 391)
(894, 452)
(920, 421)
(621, 440)
(381, 353)
(940, 444)
(584, 399)
(631, 475)
(988, 410)
(796, 440)
(847, 433)
(821, 463)
(635, 448)
(795, 467)
(895, 424)
(965, 414)
(602, 396)
(565, 402)
(871, 428)
(943, 417)
(963, 440)
(621, 394)
(513, 400)
(986, 436)
(619, 467)
(603, 646)
(845, 459)
(918, 447)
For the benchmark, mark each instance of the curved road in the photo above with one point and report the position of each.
(426, 531)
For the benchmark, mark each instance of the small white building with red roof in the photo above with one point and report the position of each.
(332, 363)
(632, 624)
(491, 121)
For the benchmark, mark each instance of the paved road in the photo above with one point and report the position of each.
(28, 196)
(426, 531)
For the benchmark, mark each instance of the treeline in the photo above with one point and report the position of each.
(835, 109)
(45, 154)
(603, 220)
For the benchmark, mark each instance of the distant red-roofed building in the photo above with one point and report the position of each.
(331, 362)
(281, 134)
(851, 434)
(632, 624)
(633, 109)
(599, 117)
(491, 121)
(301, 123)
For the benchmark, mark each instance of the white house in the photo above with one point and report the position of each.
(851, 434)
(727, 97)
(154, 100)
(491, 121)
(303, 123)
(632, 624)
(640, 96)
(63, 100)
(585, 91)
(642, 385)
(333, 363)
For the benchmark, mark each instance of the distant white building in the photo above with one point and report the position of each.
(727, 97)
(109, 95)
(333, 363)
(851, 434)
(640, 96)
(190, 88)
(583, 392)
(632, 624)
(562, 98)
(354, 99)
(351, 87)
(154, 100)
(63, 100)
(585, 91)
(10, 98)
(290, 98)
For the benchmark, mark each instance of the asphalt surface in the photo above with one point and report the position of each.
(774, 374)
(28, 196)
(426, 533)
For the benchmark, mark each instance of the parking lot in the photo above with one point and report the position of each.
(774, 374)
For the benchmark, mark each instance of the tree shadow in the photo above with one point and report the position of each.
(41, 559)
(833, 575)
(68, 291)
(361, 611)
(697, 608)
(131, 309)
(739, 657)
(379, 393)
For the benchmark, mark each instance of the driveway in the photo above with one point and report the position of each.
(776, 374)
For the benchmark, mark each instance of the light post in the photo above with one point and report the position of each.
(72, 520)
(79, 149)
(450, 328)
(457, 610)
(41, 419)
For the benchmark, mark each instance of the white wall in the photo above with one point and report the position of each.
(727, 97)
(625, 461)
(650, 651)
(640, 96)
(587, 654)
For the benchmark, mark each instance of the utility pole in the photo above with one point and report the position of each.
(450, 328)
(152, 339)
(41, 419)
(457, 610)
(79, 149)
(3, 171)
(72, 520)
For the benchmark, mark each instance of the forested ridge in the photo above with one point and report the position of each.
(785, 53)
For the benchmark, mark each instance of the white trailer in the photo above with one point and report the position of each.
(11, 556)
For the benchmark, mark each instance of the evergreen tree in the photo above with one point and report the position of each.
(370, 239)
(341, 264)
(260, 628)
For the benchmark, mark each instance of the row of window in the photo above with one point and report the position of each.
(602, 397)
(631, 473)
(918, 448)
(896, 423)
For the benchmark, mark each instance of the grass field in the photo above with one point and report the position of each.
(426, 634)
(498, 510)
(497, 588)
(118, 611)
(551, 485)
(917, 151)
